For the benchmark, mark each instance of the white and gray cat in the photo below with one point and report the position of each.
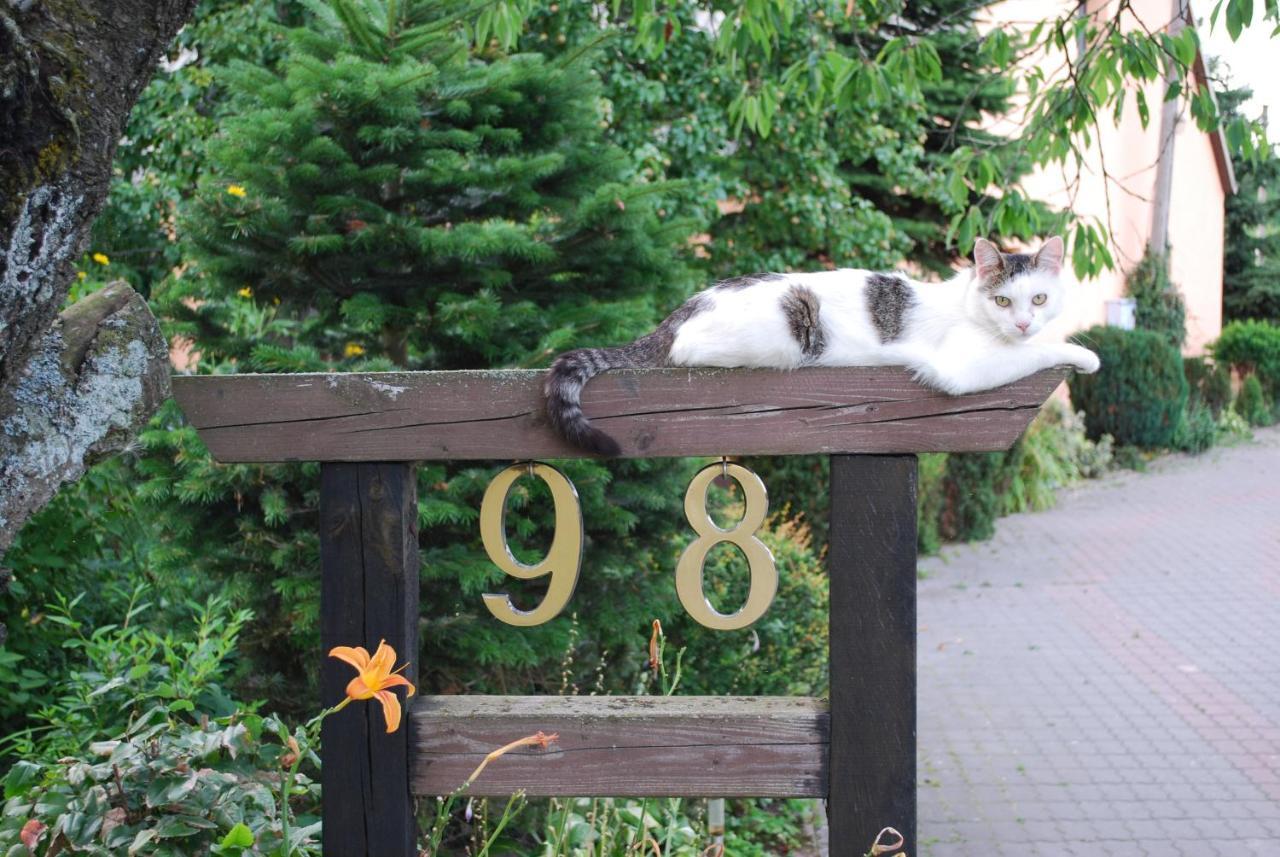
(967, 334)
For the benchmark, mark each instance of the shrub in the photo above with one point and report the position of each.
(121, 671)
(1252, 402)
(1160, 307)
(1140, 392)
(1252, 348)
(970, 499)
(1198, 429)
(168, 787)
(785, 653)
(1053, 453)
(1232, 427)
(1210, 382)
(930, 501)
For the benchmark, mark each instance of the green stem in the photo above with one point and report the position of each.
(311, 735)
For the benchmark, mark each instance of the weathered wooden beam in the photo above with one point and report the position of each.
(369, 592)
(872, 562)
(624, 746)
(411, 416)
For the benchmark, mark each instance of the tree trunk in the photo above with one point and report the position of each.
(75, 387)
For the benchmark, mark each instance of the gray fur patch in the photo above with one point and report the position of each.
(800, 306)
(1011, 265)
(654, 349)
(889, 297)
(746, 281)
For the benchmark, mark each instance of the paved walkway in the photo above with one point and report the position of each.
(1104, 678)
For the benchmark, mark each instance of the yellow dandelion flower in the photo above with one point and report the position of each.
(80, 275)
(246, 292)
(353, 350)
(101, 259)
(236, 190)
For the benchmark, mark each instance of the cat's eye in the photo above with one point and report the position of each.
(1039, 300)
(1002, 301)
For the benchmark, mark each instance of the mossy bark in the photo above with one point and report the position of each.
(70, 72)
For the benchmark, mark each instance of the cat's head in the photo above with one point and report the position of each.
(1016, 294)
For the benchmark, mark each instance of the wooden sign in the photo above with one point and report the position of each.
(858, 752)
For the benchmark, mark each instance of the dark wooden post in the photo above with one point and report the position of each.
(369, 562)
(873, 650)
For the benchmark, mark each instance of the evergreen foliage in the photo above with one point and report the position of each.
(1251, 252)
(387, 199)
(1139, 394)
(1160, 306)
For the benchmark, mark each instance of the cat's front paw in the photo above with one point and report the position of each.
(1084, 360)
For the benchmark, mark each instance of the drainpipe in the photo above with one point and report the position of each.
(1159, 241)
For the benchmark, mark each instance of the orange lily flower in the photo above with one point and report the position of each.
(375, 676)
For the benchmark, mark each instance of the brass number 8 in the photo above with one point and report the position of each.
(764, 574)
(563, 560)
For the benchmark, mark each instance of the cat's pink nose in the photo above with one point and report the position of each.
(1023, 325)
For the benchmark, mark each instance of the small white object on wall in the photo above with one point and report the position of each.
(1122, 313)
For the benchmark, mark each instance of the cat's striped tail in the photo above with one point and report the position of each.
(563, 389)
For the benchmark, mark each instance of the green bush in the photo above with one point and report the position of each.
(971, 501)
(1210, 382)
(1252, 403)
(930, 501)
(117, 671)
(1053, 453)
(1140, 392)
(139, 750)
(783, 654)
(1198, 430)
(168, 787)
(1160, 307)
(1252, 348)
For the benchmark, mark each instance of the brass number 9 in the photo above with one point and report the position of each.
(764, 574)
(563, 560)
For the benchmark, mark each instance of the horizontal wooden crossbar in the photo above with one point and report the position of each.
(623, 746)
(413, 416)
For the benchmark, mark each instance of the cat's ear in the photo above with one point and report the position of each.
(986, 258)
(1049, 257)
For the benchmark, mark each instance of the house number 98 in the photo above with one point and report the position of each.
(563, 561)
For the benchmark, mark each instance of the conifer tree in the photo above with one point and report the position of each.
(390, 198)
(1251, 258)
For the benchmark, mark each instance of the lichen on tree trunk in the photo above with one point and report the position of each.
(99, 373)
(73, 387)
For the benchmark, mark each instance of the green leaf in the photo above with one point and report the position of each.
(239, 837)
(1235, 18)
(181, 705)
(21, 777)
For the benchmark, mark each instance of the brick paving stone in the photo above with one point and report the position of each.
(1101, 678)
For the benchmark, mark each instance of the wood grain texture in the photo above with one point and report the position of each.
(872, 562)
(414, 416)
(639, 746)
(369, 592)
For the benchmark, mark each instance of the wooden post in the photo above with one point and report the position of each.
(873, 650)
(369, 592)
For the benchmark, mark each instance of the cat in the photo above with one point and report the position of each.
(967, 334)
